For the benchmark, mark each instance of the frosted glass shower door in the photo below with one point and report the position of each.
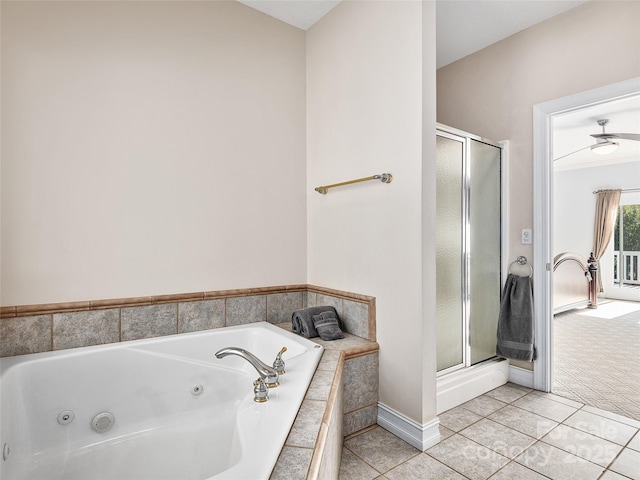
(468, 247)
(484, 249)
(450, 325)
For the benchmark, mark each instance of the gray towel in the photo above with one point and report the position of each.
(326, 324)
(515, 323)
(302, 320)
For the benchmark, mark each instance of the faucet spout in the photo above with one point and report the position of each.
(267, 374)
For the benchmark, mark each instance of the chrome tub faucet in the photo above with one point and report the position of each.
(268, 375)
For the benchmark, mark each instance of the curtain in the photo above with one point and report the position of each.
(607, 202)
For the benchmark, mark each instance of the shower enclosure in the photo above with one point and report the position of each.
(468, 240)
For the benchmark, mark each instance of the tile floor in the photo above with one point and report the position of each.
(509, 433)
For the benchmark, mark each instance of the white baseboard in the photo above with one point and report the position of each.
(420, 436)
(458, 387)
(521, 376)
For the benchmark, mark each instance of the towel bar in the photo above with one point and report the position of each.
(383, 177)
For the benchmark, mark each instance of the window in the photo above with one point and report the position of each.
(626, 246)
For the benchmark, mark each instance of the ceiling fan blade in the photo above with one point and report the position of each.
(563, 156)
(623, 136)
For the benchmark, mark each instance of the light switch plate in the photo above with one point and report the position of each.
(526, 236)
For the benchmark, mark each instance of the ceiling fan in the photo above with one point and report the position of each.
(605, 141)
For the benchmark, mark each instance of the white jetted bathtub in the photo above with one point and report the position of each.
(161, 408)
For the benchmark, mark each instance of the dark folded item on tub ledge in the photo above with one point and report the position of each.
(326, 324)
(302, 320)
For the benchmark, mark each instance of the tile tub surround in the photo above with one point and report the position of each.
(314, 446)
(359, 371)
(28, 329)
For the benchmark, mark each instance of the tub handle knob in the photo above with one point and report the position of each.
(278, 363)
(260, 391)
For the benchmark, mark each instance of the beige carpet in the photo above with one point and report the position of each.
(597, 357)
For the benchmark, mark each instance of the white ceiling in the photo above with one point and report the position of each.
(299, 13)
(572, 131)
(483, 22)
(466, 26)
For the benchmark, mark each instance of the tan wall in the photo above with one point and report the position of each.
(491, 93)
(366, 110)
(150, 148)
(153, 148)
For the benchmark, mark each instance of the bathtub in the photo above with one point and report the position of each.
(161, 408)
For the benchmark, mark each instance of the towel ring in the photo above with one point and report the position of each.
(521, 261)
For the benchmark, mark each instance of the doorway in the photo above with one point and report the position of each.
(543, 214)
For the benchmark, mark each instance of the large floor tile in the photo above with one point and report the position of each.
(495, 436)
(612, 416)
(601, 427)
(515, 471)
(381, 449)
(537, 436)
(483, 405)
(557, 398)
(423, 467)
(628, 464)
(445, 432)
(353, 468)
(458, 418)
(523, 421)
(558, 464)
(582, 444)
(545, 407)
(634, 444)
(609, 475)
(508, 393)
(467, 457)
